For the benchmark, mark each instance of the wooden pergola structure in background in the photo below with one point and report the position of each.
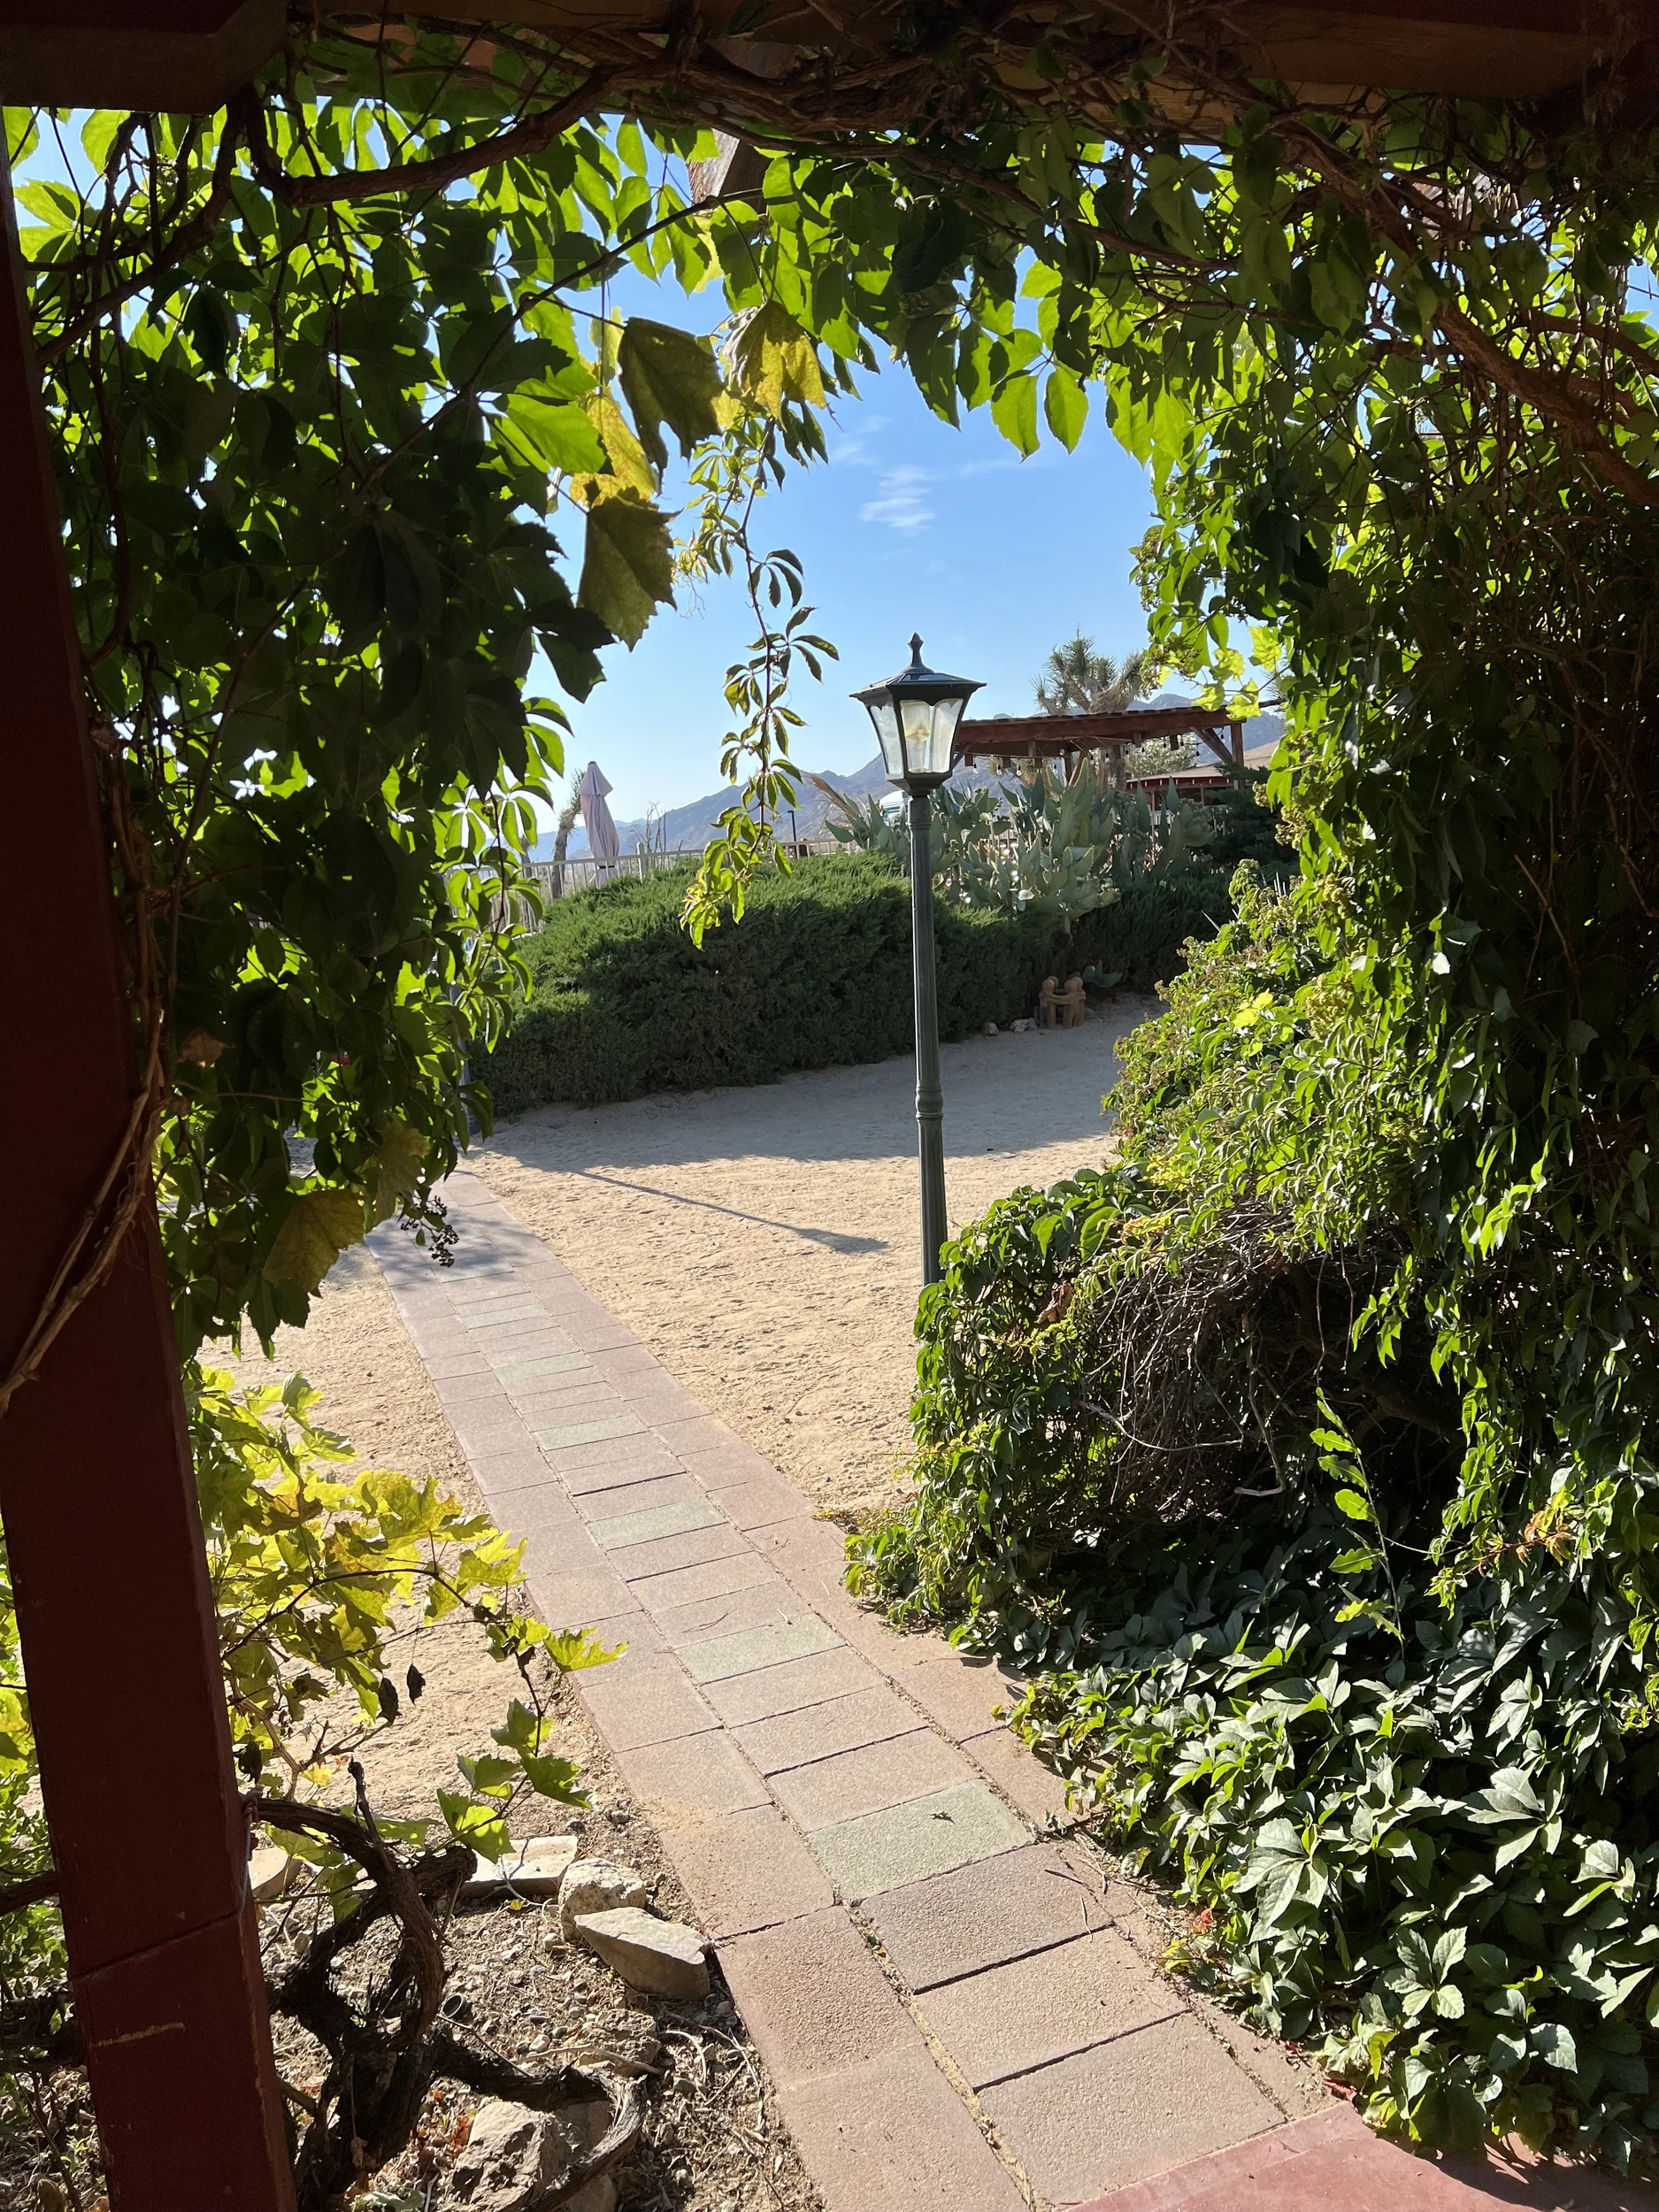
(1007, 739)
(148, 1834)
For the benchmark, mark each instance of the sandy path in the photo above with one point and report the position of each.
(763, 1241)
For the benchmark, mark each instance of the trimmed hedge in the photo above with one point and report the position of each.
(1140, 935)
(817, 973)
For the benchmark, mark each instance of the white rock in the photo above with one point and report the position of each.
(665, 1957)
(534, 1869)
(512, 2152)
(1018, 1029)
(270, 1872)
(990, 1029)
(596, 1886)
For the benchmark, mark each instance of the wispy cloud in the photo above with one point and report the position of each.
(853, 450)
(901, 504)
(992, 465)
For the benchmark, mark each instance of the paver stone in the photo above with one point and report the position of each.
(668, 1593)
(1125, 2109)
(643, 1698)
(930, 1835)
(689, 1775)
(983, 1915)
(750, 1870)
(1017, 1772)
(893, 2136)
(791, 1686)
(713, 1658)
(1045, 2006)
(818, 1731)
(844, 1788)
(648, 1525)
(814, 1998)
(768, 1603)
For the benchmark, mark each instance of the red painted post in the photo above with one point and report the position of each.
(96, 1486)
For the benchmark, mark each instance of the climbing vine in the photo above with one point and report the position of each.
(335, 384)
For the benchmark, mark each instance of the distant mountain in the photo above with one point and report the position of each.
(689, 828)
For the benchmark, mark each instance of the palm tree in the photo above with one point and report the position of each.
(568, 812)
(1076, 680)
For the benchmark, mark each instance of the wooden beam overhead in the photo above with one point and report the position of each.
(190, 55)
(1047, 736)
(1508, 49)
(177, 57)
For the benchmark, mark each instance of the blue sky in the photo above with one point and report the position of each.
(909, 526)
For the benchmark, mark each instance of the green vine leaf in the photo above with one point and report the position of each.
(628, 566)
(668, 376)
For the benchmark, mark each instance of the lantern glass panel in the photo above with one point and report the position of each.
(918, 718)
(884, 714)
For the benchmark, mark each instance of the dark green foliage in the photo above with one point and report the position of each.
(817, 975)
(1140, 936)
(1420, 1835)
(1246, 828)
(1190, 1457)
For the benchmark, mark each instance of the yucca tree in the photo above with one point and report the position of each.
(1076, 680)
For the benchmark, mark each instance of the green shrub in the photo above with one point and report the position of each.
(1196, 1455)
(817, 973)
(1141, 935)
(1243, 826)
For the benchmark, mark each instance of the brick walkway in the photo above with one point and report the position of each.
(954, 2007)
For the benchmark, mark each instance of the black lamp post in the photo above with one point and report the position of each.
(915, 714)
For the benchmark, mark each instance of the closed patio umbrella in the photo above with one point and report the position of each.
(602, 840)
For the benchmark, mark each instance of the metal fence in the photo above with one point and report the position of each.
(560, 880)
(583, 873)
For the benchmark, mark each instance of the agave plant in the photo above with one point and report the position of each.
(1040, 845)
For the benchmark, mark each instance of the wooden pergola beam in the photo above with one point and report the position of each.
(1056, 736)
(97, 1488)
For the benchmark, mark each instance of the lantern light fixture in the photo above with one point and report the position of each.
(915, 714)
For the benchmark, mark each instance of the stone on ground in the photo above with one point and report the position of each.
(596, 1886)
(664, 1956)
(535, 1869)
(511, 2153)
(270, 1871)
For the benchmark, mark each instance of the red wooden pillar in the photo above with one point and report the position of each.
(96, 1486)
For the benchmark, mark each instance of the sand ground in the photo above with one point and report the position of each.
(763, 1242)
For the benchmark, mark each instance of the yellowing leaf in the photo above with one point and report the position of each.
(773, 359)
(397, 1165)
(668, 376)
(320, 1226)
(628, 470)
(627, 568)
